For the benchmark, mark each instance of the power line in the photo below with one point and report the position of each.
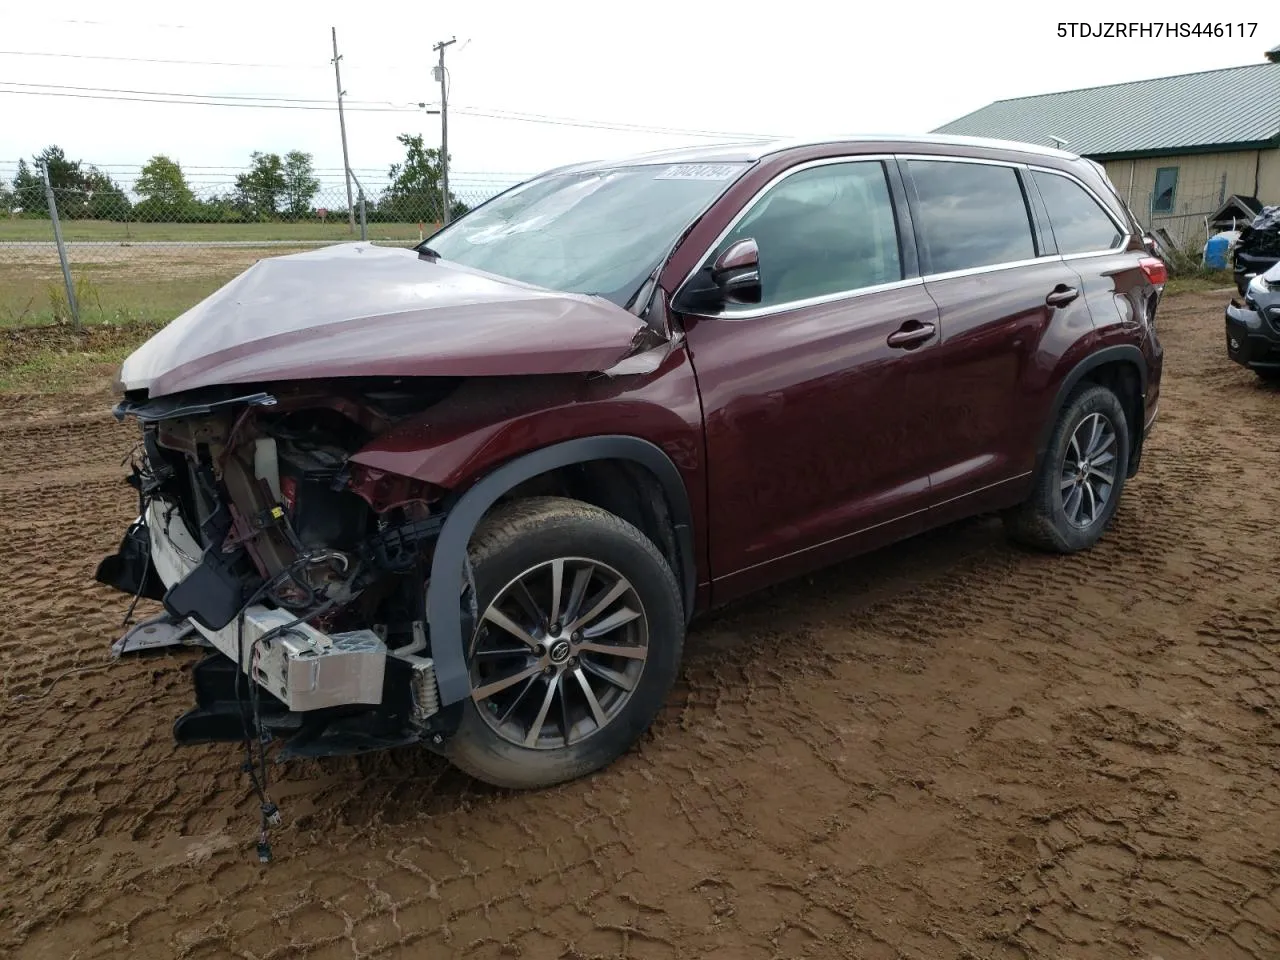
(185, 63)
(369, 106)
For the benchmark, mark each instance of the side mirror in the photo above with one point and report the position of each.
(734, 277)
(736, 273)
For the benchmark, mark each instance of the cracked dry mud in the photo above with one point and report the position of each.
(950, 749)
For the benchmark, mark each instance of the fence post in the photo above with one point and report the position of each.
(364, 232)
(62, 251)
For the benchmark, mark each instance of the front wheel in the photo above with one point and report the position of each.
(1081, 476)
(578, 642)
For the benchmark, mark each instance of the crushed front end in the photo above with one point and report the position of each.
(304, 572)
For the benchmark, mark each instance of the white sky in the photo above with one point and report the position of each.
(796, 68)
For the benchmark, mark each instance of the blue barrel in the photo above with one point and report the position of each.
(1215, 252)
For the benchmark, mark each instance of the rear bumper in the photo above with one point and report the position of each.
(1251, 340)
(301, 666)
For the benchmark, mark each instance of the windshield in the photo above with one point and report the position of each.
(600, 232)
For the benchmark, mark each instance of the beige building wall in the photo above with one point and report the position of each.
(1204, 181)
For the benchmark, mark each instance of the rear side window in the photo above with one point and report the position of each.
(970, 215)
(1080, 225)
(823, 231)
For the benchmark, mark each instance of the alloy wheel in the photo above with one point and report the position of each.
(1088, 473)
(557, 654)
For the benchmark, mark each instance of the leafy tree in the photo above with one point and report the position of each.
(414, 193)
(66, 177)
(104, 198)
(258, 192)
(300, 184)
(7, 198)
(165, 193)
(64, 174)
(28, 191)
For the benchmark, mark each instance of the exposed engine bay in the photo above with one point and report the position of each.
(306, 573)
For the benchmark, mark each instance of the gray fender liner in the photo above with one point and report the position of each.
(445, 589)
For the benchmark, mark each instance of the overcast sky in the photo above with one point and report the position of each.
(795, 68)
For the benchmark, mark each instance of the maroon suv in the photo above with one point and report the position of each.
(470, 495)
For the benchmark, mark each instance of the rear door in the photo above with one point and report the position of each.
(1007, 305)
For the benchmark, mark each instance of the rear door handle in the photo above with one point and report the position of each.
(911, 334)
(1061, 295)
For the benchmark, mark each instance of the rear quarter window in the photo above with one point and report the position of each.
(971, 214)
(1080, 224)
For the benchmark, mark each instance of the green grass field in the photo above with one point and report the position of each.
(26, 231)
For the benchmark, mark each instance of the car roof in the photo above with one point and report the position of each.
(749, 151)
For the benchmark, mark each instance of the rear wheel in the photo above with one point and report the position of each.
(578, 642)
(1081, 476)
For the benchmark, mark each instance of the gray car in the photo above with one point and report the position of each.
(1253, 329)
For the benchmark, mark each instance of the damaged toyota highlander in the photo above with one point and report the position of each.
(470, 495)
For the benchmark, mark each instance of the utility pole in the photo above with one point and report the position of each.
(342, 125)
(444, 128)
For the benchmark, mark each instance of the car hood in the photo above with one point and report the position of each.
(360, 310)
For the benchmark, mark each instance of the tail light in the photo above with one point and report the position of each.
(1155, 269)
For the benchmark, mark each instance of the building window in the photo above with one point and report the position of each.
(1166, 190)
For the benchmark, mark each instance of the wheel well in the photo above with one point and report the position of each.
(1123, 379)
(625, 488)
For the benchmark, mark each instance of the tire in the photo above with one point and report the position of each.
(520, 543)
(1042, 521)
(1268, 374)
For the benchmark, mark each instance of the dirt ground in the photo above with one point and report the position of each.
(951, 749)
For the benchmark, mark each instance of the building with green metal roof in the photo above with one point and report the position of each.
(1177, 148)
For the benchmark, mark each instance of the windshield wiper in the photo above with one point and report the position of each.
(425, 251)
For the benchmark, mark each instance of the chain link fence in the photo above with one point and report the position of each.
(128, 259)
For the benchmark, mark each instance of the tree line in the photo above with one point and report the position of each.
(272, 188)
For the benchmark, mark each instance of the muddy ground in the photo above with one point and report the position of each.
(951, 749)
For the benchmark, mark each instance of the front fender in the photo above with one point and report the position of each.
(447, 565)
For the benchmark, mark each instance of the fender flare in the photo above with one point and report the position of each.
(443, 612)
(1123, 352)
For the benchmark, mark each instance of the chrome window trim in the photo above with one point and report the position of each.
(882, 158)
(748, 313)
(991, 268)
(1125, 235)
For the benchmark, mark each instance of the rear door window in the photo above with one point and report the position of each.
(1080, 225)
(970, 215)
(822, 232)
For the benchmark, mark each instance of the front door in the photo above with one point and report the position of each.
(814, 425)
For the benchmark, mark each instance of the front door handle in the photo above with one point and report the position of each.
(911, 334)
(1061, 295)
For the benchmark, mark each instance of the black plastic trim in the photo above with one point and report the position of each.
(445, 589)
(1123, 352)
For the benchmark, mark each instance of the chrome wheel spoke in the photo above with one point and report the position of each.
(631, 653)
(1071, 505)
(1067, 482)
(511, 707)
(520, 593)
(1093, 501)
(599, 607)
(557, 585)
(581, 580)
(499, 619)
(497, 686)
(619, 680)
(503, 652)
(610, 623)
(1107, 478)
(535, 728)
(596, 711)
